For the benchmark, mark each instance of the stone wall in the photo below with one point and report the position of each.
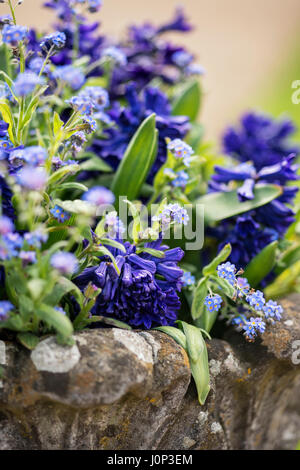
(118, 389)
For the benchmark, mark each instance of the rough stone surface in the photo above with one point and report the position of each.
(118, 389)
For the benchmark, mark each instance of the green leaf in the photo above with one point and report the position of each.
(284, 283)
(114, 243)
(220, 258)
(36, 288)
(207, 320)
(175, 333)
(57, 124)
(195, 135)
(101, 250)
(289, 257)
(28, 340)
(77, 206)
(95, 163)
(62, 172)
(72, 185)
(193, 340)
(225, 286)
(8, 117)
(63, 287)
(199, 368)
(198, 299)
(152, 252)
(110, 321)
(14, 322)
(261, 265)
(188, 103)
(200, 373)
(220, 206)
(135, 165)
(55, 319)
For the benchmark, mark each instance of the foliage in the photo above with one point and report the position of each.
(101, 158)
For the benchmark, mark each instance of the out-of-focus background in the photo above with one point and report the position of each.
(249, 48)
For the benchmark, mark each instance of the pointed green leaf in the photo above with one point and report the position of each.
(135, 165)
(261, 265)
(175, 333)
(55, 319)
(284, 283)
(198, 299)
(194, 341)
(220, 258)
(29, 340)
(8, 117)
(222, 205)
(109, 321)
(200, 373)
(113, 243)
(62, 172)
(95, 163)
(57, 124)
(188, 102)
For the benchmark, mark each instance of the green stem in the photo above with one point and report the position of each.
(46, 60)
(12, 12)
(20, 119)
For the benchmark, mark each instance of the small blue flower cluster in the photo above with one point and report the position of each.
(99, 196)
(13, 34)
(12, 244)
(26, 83)
(5, 143)
(172, 213)
(5, 308)
(73, 76)
(115, 54)
(92, 99)
(248, 301)
(53, 42)
(181, 150)
(178, 179)
(188, 279)
(59, 214)
(66, 263)
(213, 302)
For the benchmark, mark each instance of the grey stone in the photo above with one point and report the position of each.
(118, 389)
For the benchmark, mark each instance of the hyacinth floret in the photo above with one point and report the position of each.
(144, 291)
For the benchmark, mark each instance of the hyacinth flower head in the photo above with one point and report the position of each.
(144, 293)
(265, 155)
(128, 119)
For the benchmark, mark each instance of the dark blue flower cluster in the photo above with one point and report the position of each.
(265, 155)
(144, 292)
(129, 118)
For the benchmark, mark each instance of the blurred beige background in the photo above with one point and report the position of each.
(241, 43)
